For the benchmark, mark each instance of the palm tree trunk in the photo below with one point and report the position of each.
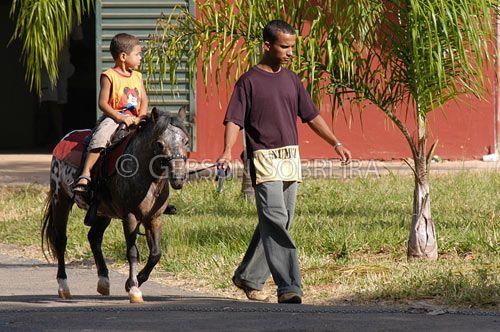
(422, 242)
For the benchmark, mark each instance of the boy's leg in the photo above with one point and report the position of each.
(83, 179)
(100, 139)
(92, 157)
(275, 204)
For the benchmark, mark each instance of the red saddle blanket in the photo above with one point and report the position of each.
(73, 146)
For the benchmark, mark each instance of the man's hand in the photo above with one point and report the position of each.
(319, 126)
(345, 155)
(128, 120)
(224, 160)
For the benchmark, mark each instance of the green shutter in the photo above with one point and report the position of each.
(139, 19)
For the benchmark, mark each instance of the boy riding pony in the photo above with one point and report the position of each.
(122, 99)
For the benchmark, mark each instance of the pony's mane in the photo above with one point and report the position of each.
(162, 122)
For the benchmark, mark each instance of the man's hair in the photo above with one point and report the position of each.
(122, 42)
(274, 27)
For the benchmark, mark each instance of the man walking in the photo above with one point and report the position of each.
(266, 102)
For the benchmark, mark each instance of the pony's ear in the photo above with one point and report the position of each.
(155, 113)
(182, 113)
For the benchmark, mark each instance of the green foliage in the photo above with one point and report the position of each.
(422, 53)
(227, 37)
(43, 27)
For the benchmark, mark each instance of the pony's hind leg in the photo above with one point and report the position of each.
(61, 219)
(54, 232)
(94, 236)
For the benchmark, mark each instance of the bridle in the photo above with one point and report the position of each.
(167, 159)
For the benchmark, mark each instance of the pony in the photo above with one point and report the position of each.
(136, 193)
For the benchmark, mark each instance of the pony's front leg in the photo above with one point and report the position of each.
(153, 236)
(131, 228)
(94, 236)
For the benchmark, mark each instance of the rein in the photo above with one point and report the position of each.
(201, 169)
(227, 172)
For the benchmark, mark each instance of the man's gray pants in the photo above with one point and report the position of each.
(272, 250)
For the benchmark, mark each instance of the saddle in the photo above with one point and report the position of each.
(72, 149)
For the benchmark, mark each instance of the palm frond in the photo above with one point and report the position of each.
(43, 27)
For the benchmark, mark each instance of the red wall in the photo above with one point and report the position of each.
(465, 130)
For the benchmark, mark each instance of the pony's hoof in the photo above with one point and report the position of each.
(135, 295)
(103, 286)
(64, 294)
(128, 285)
(63, 290)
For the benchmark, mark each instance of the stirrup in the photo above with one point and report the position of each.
(80, 187)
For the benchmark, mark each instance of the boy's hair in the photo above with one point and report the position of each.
(122, 42)
(270, 33)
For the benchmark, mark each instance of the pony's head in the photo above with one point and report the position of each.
(170, 146)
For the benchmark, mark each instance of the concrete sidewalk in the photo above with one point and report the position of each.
(28, 302)
(34, 168)
(24, 168)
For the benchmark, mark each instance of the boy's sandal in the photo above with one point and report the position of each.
(81, 187)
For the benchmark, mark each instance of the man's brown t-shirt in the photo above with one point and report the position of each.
(267, 105)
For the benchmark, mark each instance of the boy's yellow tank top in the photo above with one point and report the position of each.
(126, 91)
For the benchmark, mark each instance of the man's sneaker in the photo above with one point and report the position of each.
(290, 297)
(252, 294)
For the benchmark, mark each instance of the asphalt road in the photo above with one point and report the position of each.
(28, 302)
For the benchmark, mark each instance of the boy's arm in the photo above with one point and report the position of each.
(104, 99)
(143, 111)
(319, 126)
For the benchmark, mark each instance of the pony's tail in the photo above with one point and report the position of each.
(48, 233)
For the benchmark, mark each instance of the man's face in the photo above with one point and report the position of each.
(281, 51)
